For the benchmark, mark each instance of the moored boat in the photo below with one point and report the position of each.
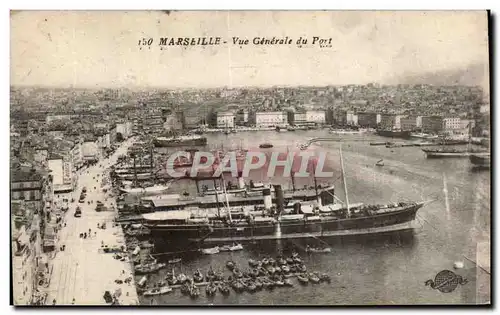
(177, 141)
(145, 191)
(304, 279)
(158, 291)
(482, 161)
(210, 251)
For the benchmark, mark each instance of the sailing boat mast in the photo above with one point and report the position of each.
(345, 185)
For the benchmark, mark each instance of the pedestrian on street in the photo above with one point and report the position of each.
(97, 225)
(90, 231)
(54, 302)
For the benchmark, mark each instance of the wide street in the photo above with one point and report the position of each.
(81, 274)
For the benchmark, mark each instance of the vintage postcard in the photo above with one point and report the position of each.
(250, 158)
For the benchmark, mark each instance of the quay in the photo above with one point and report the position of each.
(80, 274)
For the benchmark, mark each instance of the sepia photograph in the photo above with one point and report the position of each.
(242, 158)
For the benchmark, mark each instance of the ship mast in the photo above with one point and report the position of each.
(151, 160)
(227, 200)
(343, 180)
(135, 170)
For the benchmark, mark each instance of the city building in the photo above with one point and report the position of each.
(408, 123)
(451, 123)
(225, 120)
(241, 118)
(174, 121)
(90, 151)
(124, 129)
(297, 118)
(387, 121)
(61, 170)
(77, 155)
(367, 119)
(316, 116)
(270, 119)
(27, 184)
(433, 124)
(192, 122)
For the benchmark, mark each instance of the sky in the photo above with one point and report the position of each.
(99, 49)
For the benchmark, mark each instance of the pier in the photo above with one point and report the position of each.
(80, 273)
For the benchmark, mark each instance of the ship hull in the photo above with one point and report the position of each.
(180, 142)
(145, 191)
(441, 155)
(394, 134)
(480, 161)
(380, 223)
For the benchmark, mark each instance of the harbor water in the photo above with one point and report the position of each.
(393, 269)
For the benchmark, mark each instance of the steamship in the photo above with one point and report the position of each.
(178, 141)
(282, 219)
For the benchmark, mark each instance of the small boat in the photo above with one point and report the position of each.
(265, 262)
(285, 269)
(158, 291)
(237, 273)
(210, 274)
(293, 268)
(194, 292)
(236, 247)
(253, 263)
(230, 265)
(272, 262)
(198, 276)
(304, 279)
(271, 270)
(224, 289)
(148, 268)
(301, 268)
(325, 278)
(288, 283)
(172, 281)
(211, 289)
(181, 278)
(238, 286)
(225, 248)
(277, 269)
(380, 163)
(318, 250)
(250, 286)
(297, 260)
(313, 278)
(175, 261)
(279, 282)
(143, 281)
(265, 146)
(210, 251)
(185, 289)
(281, 261)
(258, 284)
(255, 273)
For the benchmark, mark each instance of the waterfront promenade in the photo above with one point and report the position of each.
(80, 273)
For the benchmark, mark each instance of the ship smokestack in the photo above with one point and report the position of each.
(268, 203)
(241, 181)
(280, 198)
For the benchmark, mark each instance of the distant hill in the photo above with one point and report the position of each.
(472, 75)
